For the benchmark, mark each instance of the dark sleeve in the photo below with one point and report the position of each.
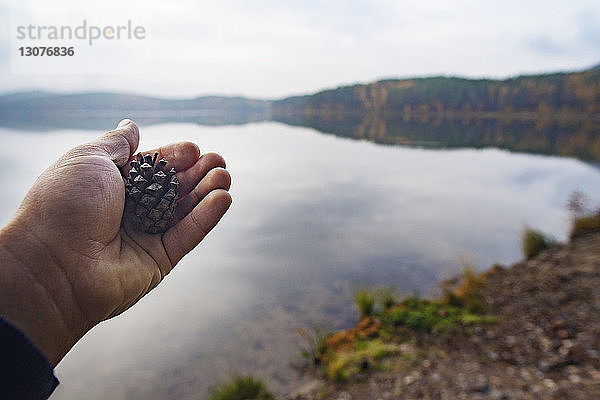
(25, 372)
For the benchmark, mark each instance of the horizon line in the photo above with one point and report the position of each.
(259, 98)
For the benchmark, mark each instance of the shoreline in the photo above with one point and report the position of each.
(546, 343)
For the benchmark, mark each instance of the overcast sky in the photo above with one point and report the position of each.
(270, 48)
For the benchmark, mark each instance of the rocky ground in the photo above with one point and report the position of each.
(546, 344)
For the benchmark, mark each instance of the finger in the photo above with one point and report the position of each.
(187, 233)
(180, 156)
(118, 144)
(216, 178)
(188, 179)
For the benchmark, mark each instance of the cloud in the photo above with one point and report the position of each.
(270, 48)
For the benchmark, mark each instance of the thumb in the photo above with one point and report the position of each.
(120, 143)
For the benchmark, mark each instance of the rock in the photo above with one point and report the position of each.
(563, 334)
(480, 385)
(552, 363)
(545, 343)
(529, 326)
(535, 389)
(595, 374)
(410, 379)
(567, 343)
(506, 356)
(593, 353)
(550, 384)
(539, 374)
(344, 396)
(510, 341)
(525, 374)
(558, 323)
(577, 354)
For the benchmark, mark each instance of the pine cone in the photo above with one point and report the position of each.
(150, 194)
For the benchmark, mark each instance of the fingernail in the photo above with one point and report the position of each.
(124, 122)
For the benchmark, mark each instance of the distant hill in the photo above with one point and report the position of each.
(35, 110)
(41, 101)
(547, 94)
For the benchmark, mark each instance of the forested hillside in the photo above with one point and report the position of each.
(575, 93)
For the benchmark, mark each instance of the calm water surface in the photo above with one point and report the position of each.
(314, 217)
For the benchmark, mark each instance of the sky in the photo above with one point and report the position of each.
(272, 49)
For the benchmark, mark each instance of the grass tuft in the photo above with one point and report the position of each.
(316, 342)
(585, 224)
(242, 388)
(365, 355)
(469, 293)
(365, 301)
(533, 242)
(387, 298)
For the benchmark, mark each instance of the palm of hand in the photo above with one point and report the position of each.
(113, 264)
(105, 263)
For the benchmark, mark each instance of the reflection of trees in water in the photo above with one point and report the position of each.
(371, 128)
(573, 137)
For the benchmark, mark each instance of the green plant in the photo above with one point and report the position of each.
(412, 302)
(423, 316)
(584, 218)
(496, 267)
(585, 224)
(316, 342)
(387, 297)
(470, 291)
(242, 388)
(461, 306)
(454, 300)
(338, 373)
(365, 355)
(365, 301)
(533, 242)
(478, 319)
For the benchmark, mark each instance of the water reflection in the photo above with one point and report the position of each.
(314, 217)
(573, 137)
(40, 121)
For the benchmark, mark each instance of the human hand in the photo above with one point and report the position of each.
(70, 261)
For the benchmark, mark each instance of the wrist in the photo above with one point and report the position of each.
(35, 294)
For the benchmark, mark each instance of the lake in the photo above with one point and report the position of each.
(315, 217)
